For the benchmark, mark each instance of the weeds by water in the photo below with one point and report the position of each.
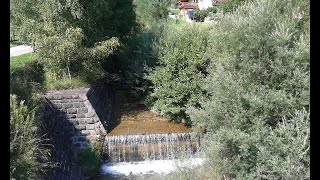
(90, 160)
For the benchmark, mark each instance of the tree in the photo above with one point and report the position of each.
(73, 37)
(180, 70)
(151, 12)
(258, 87)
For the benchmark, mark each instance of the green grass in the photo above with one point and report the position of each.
(65, 83)
(18, 61)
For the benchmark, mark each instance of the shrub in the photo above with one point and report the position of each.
(175, 11)
(231, 5)
(258, 75)
(26, 81)
(90, 160)
(200, 15)
(24, 144)
(151, 12)
(180, 70)
(212, 10)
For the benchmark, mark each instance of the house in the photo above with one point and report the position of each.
(204, 4)
(187, 7)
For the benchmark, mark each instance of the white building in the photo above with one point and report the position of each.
(204, 4)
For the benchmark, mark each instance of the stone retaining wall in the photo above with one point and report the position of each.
(70, 119)
(78, 110)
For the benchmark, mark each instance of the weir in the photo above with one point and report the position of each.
(128, 148)
(75, 118)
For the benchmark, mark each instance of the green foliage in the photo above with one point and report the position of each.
(257, 78)
(212, 9)
(176, 80)
(74, 39)
(52, 84)
(200, 15)
(24, 144)
(279, 153)
(27, 80)
(175, 11)
(150, 12)
(231, 5)
(106, 18)
(139, 56)
(90, 160)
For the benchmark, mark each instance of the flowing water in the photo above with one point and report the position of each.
(150, 156)
(140, 143)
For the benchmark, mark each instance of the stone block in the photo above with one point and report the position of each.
(96, 119)
(80, 115)
(72, 111)
(74, 122)
(67, 105)
(75, 96)
(82, 110)
(90, 120)
(70, 116)
(84, 132)
(90, 126)
(91, 137)
(83, 96)
(55, 101)
(67, 96)
(57, 97)
(92, 132)
(90, 114)
(82, 120)
(78, 105)
(80, 127)
(58, 105)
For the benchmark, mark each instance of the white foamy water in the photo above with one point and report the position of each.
(149, 167)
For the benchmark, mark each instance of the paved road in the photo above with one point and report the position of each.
(19, 50)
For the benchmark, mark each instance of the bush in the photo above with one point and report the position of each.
(90, 160)
(175, 11)
(212, 10)
(24, 144)
(180, 70)
(200, 15)
(151, 12)
(231, 5)
(258, 76)
(26, 81)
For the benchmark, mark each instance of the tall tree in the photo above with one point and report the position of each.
(73, 36)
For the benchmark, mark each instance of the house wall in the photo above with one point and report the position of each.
(204, 4)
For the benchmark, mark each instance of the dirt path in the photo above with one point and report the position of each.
(132, 117)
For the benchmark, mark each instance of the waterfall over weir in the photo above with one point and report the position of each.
(128, 148)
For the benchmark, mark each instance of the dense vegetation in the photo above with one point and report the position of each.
(74, 43)
(25, 149)
(181, 68)
(257, 104)
(245, 79)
